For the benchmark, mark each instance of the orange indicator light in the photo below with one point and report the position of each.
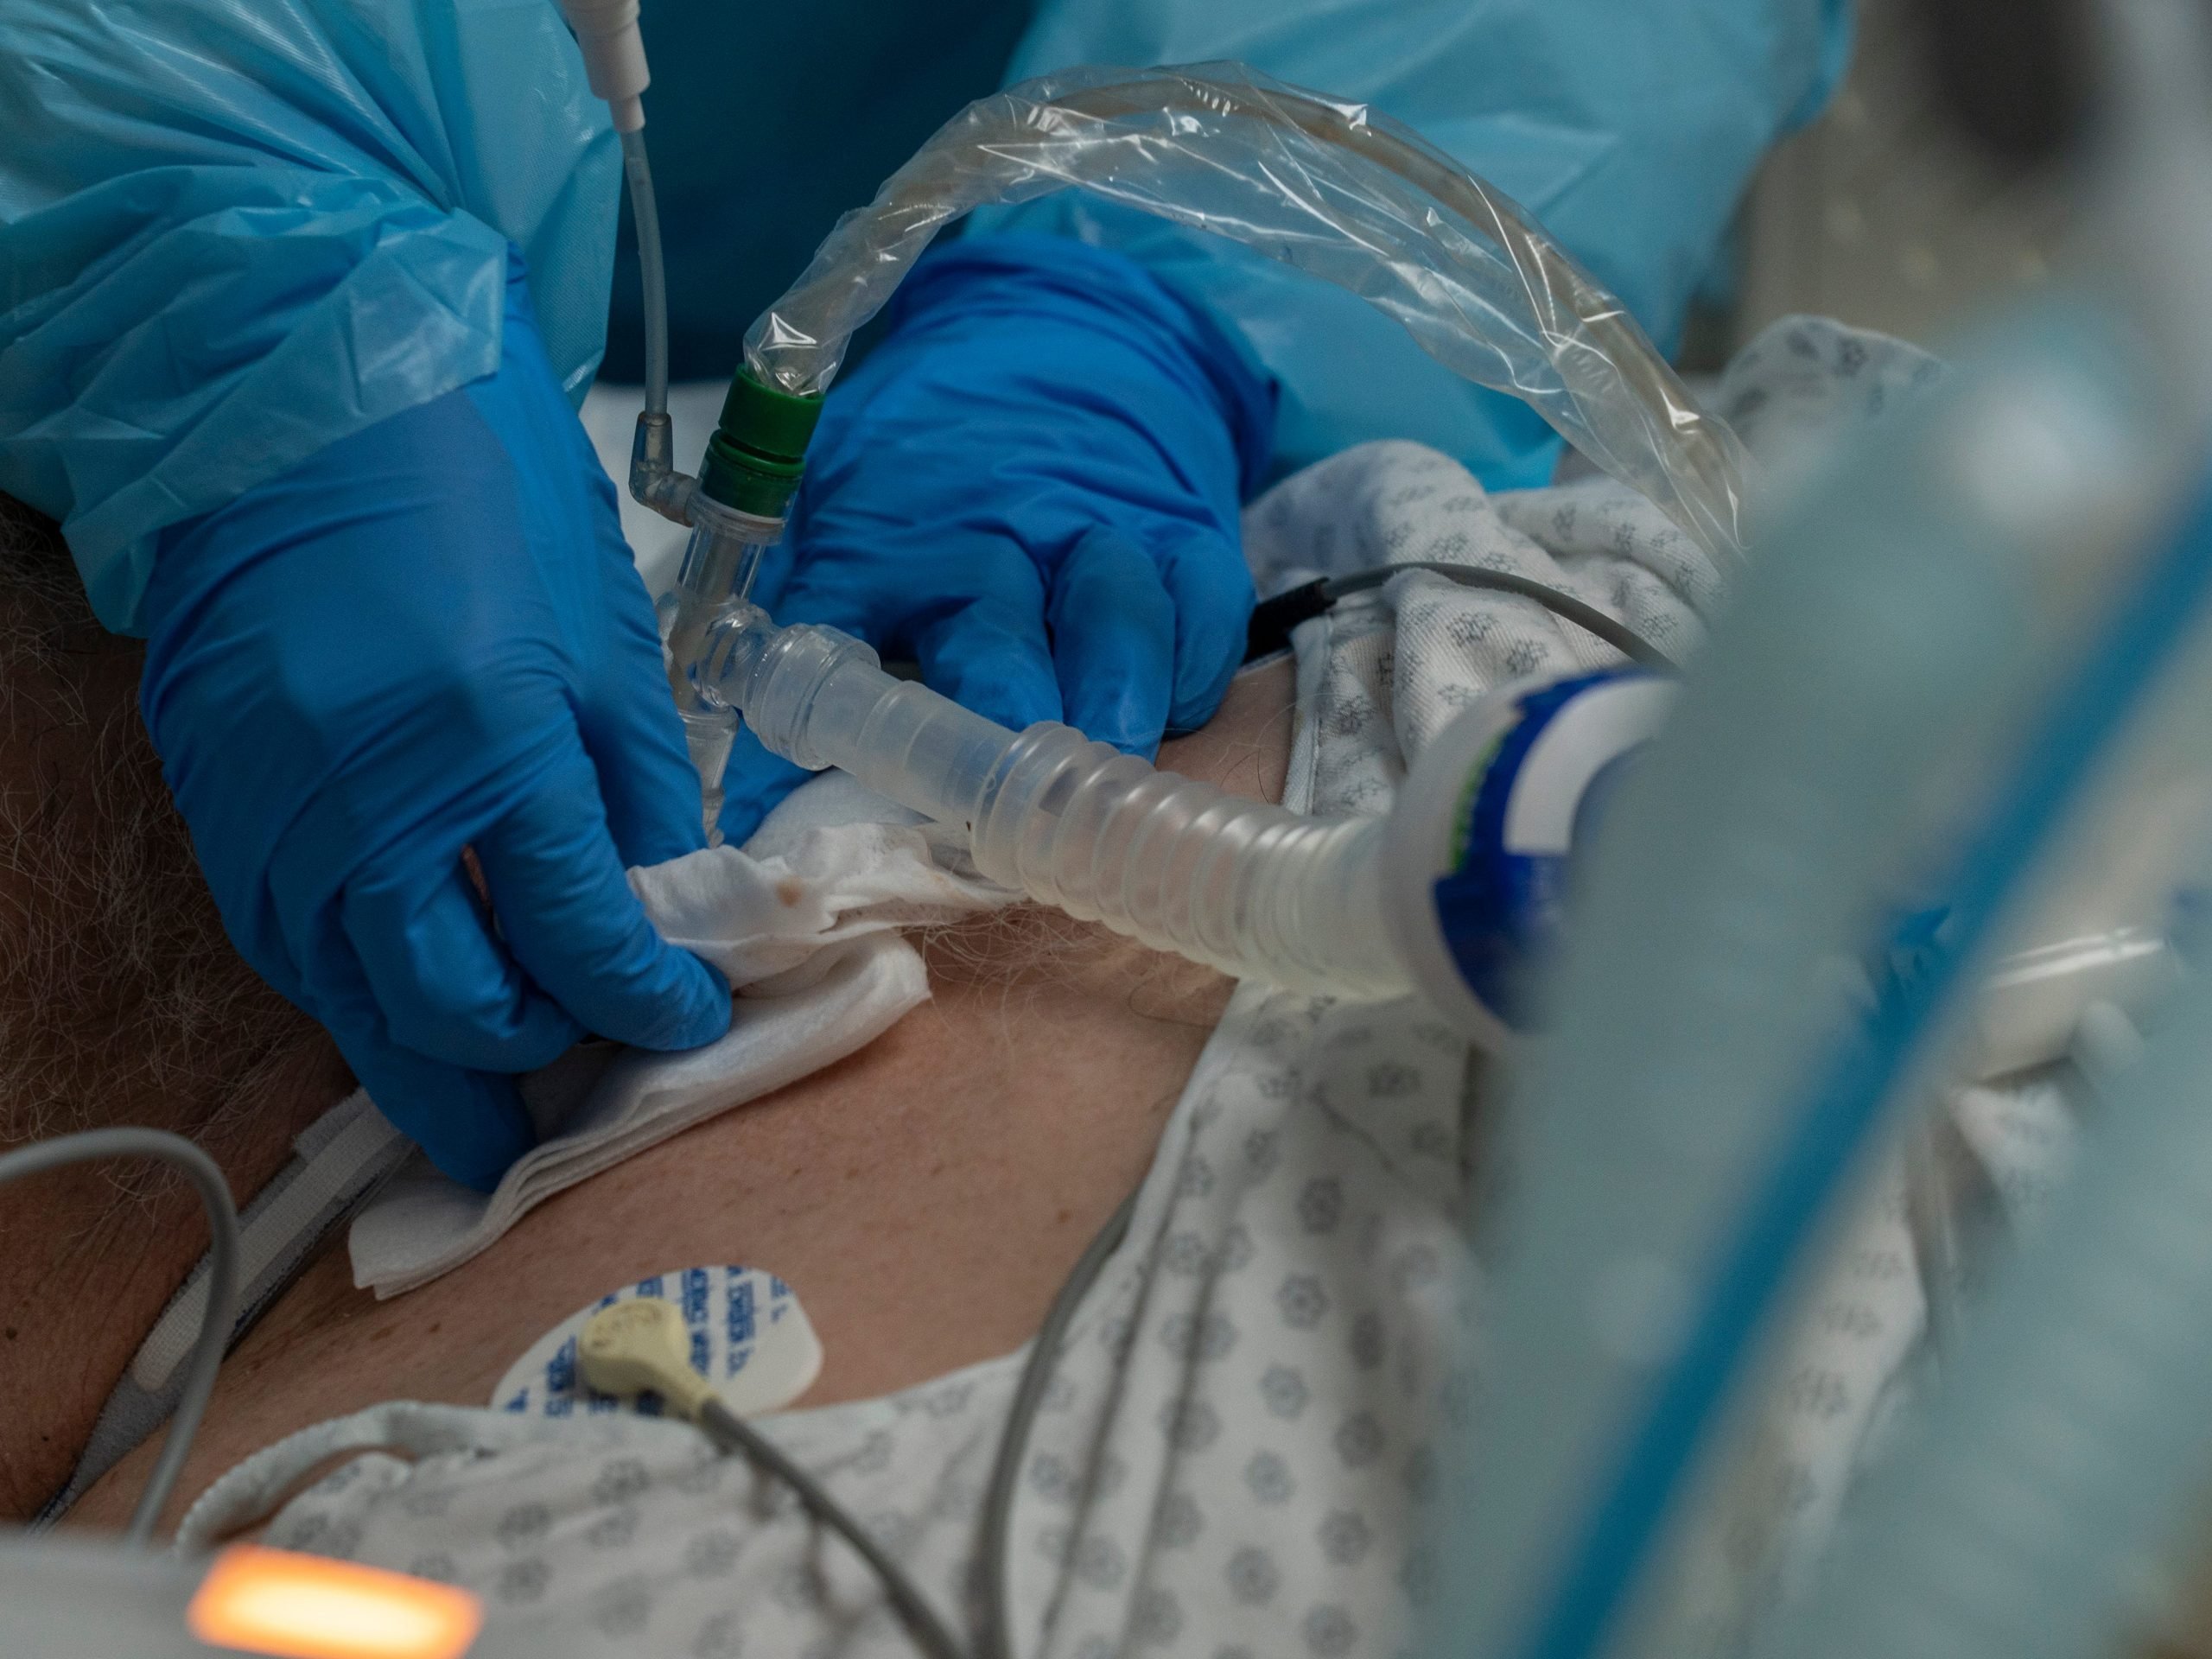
(305, 1607)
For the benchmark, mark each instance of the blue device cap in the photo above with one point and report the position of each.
(1501, 906)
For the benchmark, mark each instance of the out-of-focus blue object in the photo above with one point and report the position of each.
(430, 637)
(232, 232)
(1628, 132)
(1031, 489)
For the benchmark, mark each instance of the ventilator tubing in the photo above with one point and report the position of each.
(1241, 885)
(1698, 1109)
(2065, 1460)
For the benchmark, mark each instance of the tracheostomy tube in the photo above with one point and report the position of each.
(1358, 906)
(1323, 185)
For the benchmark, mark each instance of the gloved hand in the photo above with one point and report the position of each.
(429, 637)
(1031, 489)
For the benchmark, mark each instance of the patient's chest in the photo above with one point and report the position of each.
(924, 1197)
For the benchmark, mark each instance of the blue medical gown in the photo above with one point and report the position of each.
(234, 231)
(1627, 127)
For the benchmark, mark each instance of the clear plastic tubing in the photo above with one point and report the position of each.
(719, 562)
(724, 552)
(1331, 187)
(645, 210)
(1980, 592)
(1671, 1163)
(1180, 865)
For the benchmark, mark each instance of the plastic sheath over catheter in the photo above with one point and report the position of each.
(1328, 187)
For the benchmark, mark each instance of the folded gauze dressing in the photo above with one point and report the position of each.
(804, 923)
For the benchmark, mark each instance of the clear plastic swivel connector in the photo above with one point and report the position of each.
(719, 566)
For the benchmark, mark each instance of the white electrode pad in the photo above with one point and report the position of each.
(748, 1334)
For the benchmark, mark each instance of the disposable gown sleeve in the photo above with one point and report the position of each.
(234, 231)
(1628, 130)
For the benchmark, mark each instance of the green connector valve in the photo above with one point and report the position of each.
(759, 451)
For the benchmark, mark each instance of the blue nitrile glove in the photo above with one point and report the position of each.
(1031, 489)
(427, 638)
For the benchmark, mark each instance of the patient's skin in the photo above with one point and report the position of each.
(925, 1196)
(120, 1002)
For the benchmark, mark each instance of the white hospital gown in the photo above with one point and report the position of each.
(1239, 1448)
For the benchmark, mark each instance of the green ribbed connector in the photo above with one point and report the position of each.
(759, 451)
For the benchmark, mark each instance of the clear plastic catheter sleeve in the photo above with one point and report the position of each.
(1330, 187)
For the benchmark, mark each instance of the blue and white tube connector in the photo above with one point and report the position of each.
(1452, 895)
(1481, 844)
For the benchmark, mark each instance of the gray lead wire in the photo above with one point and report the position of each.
(222, 1279)
(1028, 1395)
(732, 1433)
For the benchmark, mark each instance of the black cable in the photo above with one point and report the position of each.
(1273, 618)
(994, 1549)
(732, 1433)
(215, 1319)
